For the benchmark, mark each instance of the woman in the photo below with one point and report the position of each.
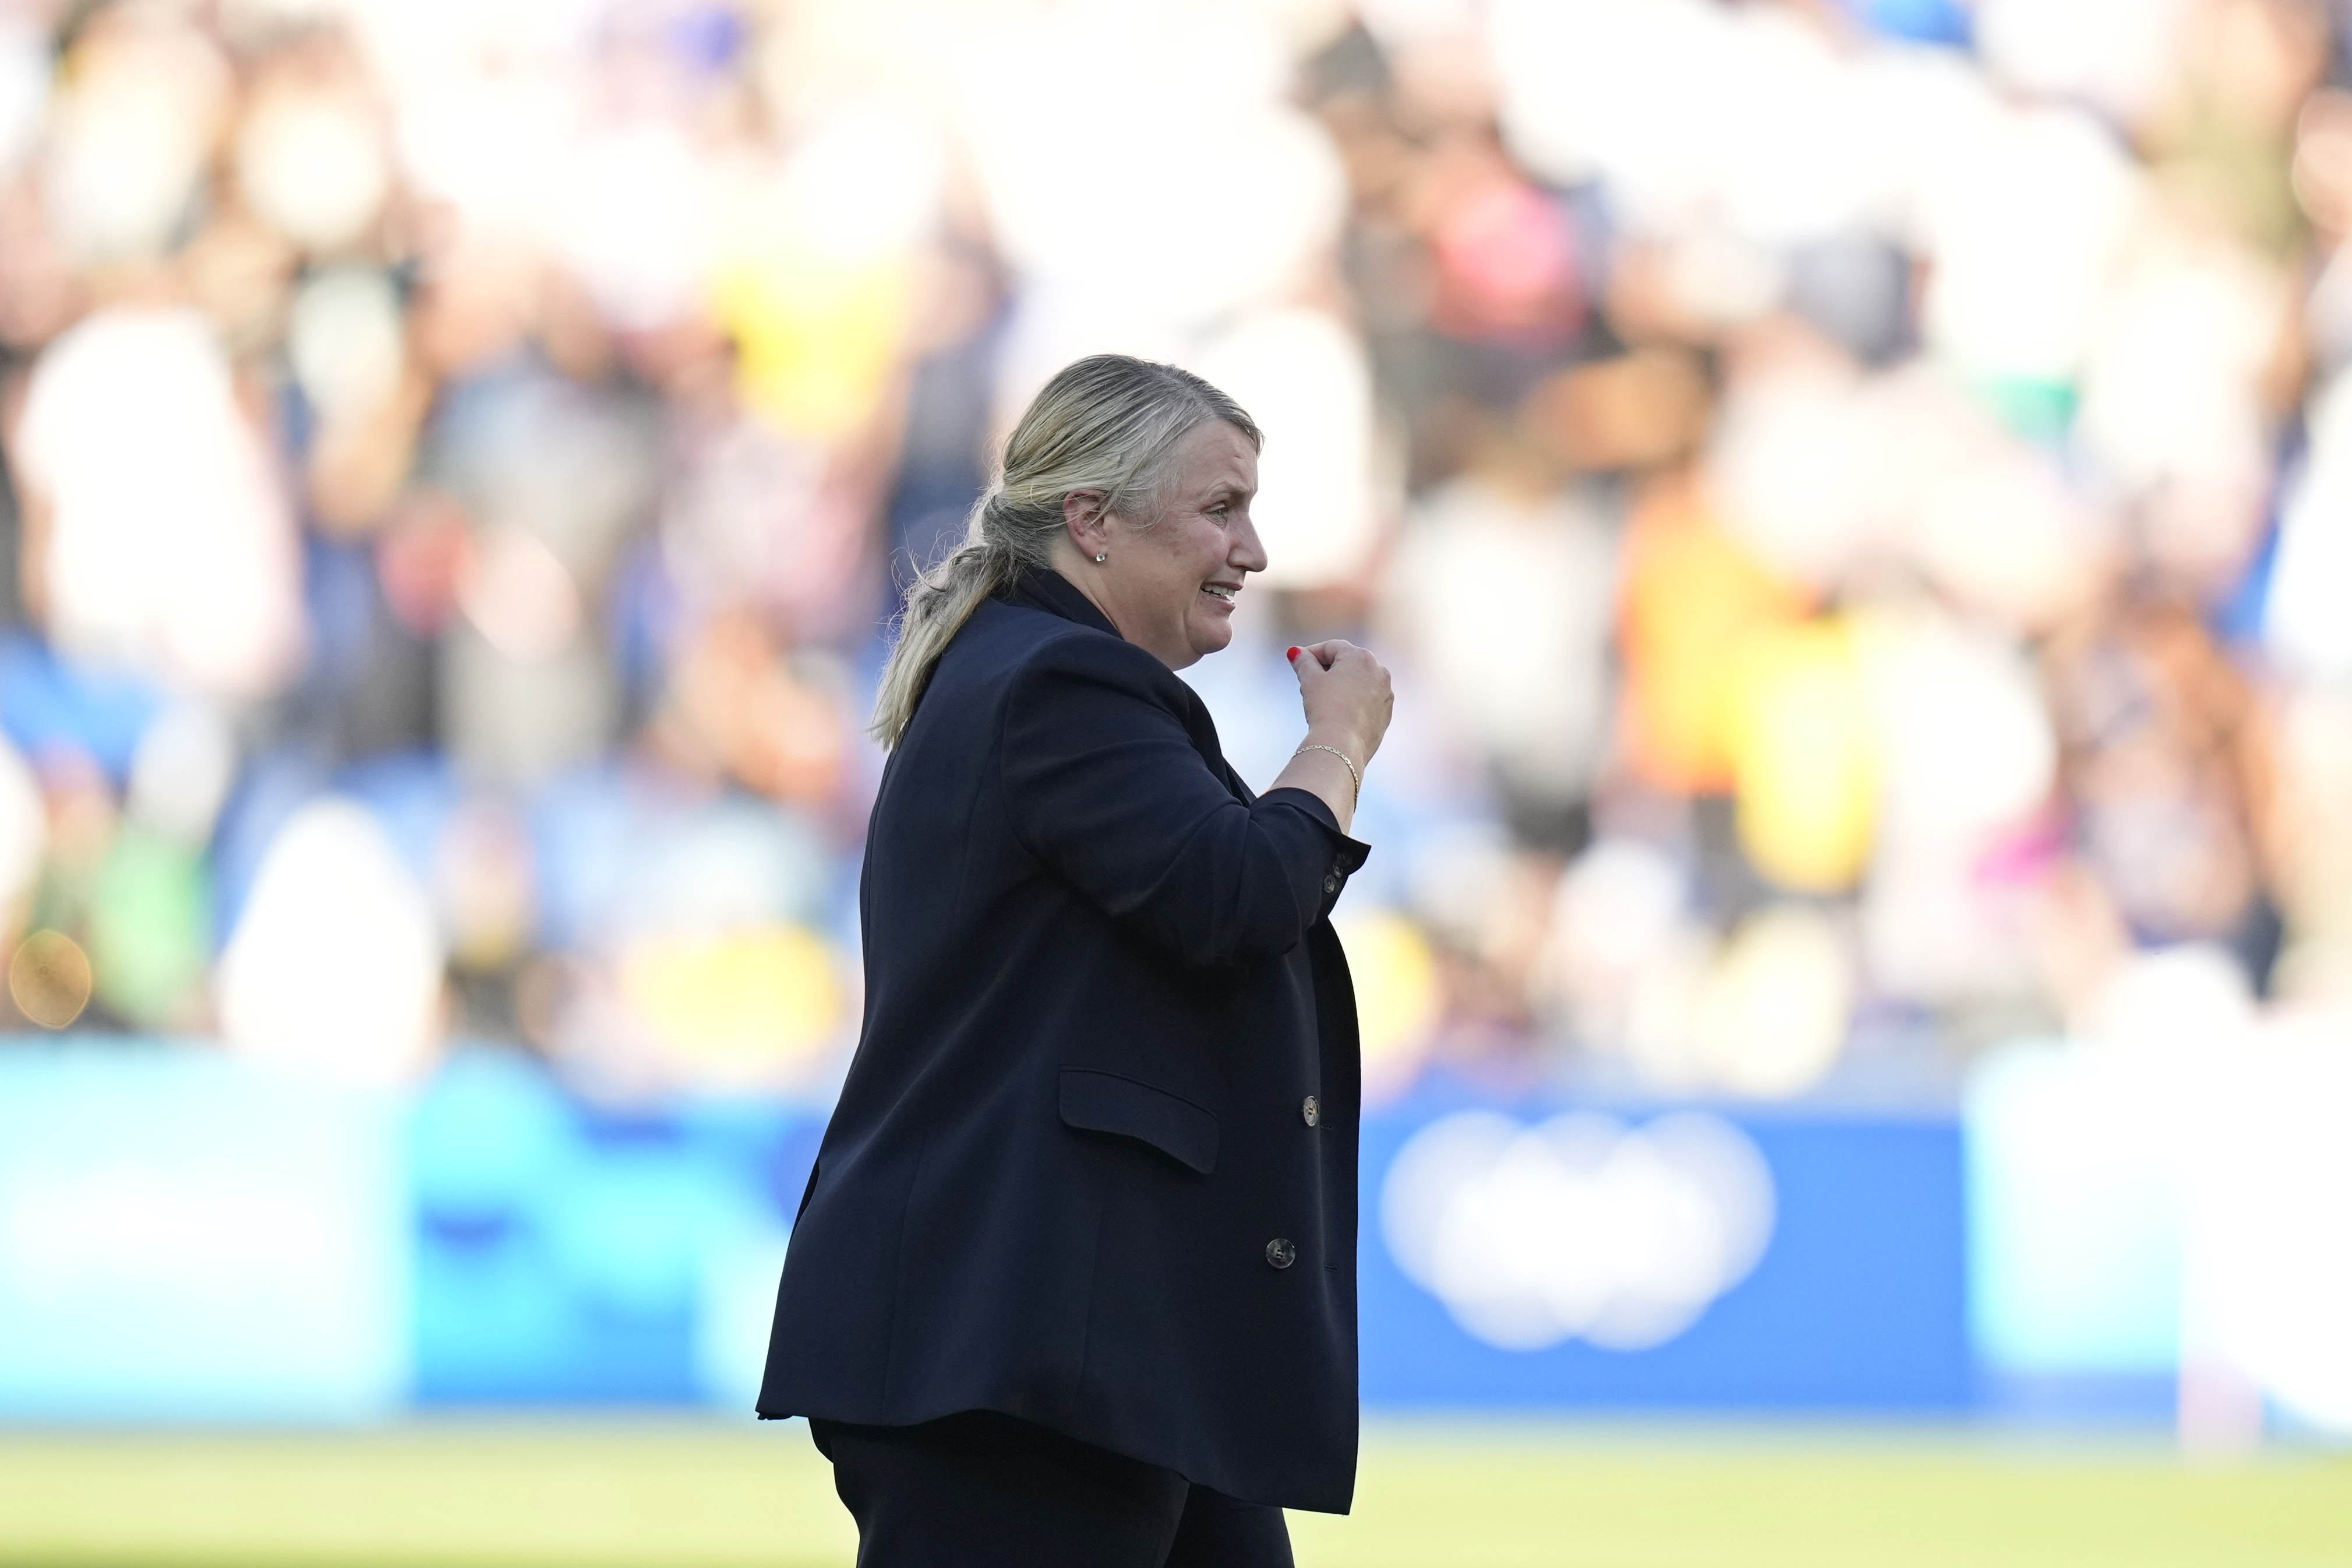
(1074, 1278)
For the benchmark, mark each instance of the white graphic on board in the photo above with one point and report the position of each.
(1578, 1229)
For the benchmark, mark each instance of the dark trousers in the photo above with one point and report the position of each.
(985, 1491)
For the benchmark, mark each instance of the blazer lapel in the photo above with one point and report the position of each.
(1055, 595)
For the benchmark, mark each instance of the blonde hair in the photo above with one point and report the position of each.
(1105, 423)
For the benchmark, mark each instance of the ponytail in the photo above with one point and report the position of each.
(940, 600)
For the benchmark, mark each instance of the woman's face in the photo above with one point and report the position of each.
(1169, 585)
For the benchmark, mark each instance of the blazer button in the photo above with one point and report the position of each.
(1312, 1110)
(1331, 883)
(1280, 1253)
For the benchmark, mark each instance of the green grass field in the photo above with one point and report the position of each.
(606, 1494)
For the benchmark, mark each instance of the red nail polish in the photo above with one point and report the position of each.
(1293, 656)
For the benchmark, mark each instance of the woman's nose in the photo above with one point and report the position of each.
(1248, 554)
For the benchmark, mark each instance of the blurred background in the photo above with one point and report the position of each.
(1855, 495)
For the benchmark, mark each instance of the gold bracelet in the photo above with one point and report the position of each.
(1354, 777)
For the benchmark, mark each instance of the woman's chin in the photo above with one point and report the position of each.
(1213, 636)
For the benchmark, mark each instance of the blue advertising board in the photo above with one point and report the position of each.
(1818, 1264)
(181, 1235)
(2077, 1200)
(570, 1253)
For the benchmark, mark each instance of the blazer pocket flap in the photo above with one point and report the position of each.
(1105, 1103)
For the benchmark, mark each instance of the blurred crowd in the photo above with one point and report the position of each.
(1854, 492)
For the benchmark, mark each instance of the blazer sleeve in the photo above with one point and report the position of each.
(1104, 786)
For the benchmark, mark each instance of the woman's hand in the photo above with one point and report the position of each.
(1349, 703)
(1346, 693)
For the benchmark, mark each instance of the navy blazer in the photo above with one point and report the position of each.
(1095, 1162)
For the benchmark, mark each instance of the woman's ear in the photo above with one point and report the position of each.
(1084, 515)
